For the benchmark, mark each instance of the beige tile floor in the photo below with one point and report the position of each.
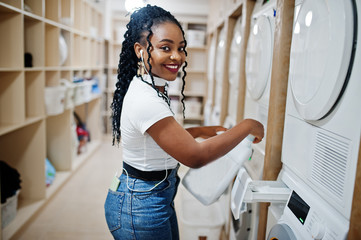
(76, 211)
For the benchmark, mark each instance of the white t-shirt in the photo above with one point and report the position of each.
(142, 107)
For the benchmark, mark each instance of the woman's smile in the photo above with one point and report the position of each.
(172, 67)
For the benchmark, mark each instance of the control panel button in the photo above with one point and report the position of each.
(318, 231)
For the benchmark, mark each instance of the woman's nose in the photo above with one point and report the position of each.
(176, 56)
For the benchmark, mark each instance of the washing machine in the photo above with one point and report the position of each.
(234, 74)
(258, 77)
(210, 78)
(239, 229)
(219, 73)
(259, 63)
(275, 210)
(322, 122)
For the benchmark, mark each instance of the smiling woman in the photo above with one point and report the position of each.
(167, 51)
(140, 203)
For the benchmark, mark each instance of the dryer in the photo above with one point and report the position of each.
(219, 68)
(234, 74)
(210, 88)
(323, 121)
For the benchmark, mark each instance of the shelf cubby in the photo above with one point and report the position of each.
(52, 10)
(86, 112)
(66, 16)
(77, 73)
(59, 149)
(87, 17)
(78, 15)
(11, 26)
(14, 3)
(197, 84)
(196, 59)
(52, 78)
(30, 162)
(34, 94)
(93, 54)
(85, 54)
(66, 75)
(117, 48)
(12, 108)
(51, 45)
(67, 37)
(95, 23)
(34, 40)
(77, 51)
(99, 61)
(34, 6)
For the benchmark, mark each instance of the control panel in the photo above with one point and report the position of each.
(309, 216)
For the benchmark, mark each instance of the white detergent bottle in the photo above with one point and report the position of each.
(209, 182)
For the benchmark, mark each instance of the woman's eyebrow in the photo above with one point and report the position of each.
(171, 41)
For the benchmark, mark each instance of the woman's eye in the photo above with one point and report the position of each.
(165, 48)
(181, 49)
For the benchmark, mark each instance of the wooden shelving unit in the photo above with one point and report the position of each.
(113, 47)
(196, 85)
(27, 134)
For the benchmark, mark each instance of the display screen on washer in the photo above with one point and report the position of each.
(299, 207)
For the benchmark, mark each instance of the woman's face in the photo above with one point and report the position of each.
(167, 51)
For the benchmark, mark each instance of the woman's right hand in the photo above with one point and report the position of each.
(256, 129)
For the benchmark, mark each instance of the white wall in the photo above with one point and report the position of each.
(183, 10)
(176, 7)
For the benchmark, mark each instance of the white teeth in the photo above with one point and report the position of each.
(172, 66)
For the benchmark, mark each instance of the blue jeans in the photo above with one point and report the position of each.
(143, 215)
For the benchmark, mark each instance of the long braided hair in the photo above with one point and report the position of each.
(141, 22)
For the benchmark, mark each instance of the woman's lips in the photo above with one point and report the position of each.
(172, 67)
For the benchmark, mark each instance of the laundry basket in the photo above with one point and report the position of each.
(199, 221)
(54, 100)
(9, 209)
(69, 93)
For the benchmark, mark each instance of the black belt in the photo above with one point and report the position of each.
(145, 175)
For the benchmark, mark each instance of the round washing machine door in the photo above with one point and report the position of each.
(321, 53)
(220, 57)
(211, 61)
(211, 58)
(235, 54)
(234, 68)
(259, 56)
(220, 54)
(281, 232)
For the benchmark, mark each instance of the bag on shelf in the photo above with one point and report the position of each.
(10, 181)
(82, 132)
(49, 172)
(10, 188)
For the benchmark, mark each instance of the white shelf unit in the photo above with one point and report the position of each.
(27, 134)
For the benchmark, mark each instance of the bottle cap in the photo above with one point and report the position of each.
(250, 138)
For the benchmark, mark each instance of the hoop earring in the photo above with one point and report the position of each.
(140, 71)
